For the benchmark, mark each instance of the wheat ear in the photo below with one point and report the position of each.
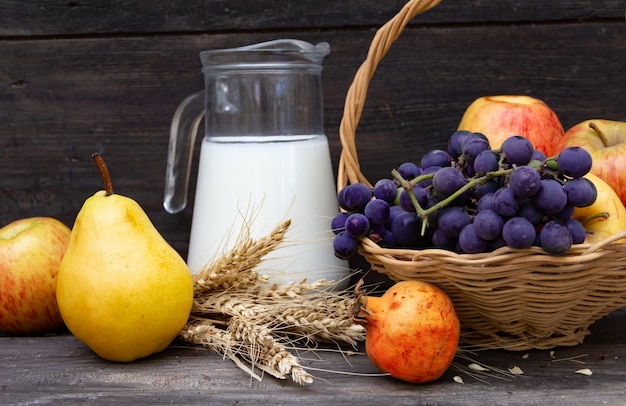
(235, 268)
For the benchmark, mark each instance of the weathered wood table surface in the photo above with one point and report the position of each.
(61, 370)
(83, 76)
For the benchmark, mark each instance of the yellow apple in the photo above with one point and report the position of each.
(500, 117)
(31, 251)
(605, 140)
(606, 216)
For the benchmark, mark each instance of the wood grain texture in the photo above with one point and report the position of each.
(98, 17)
(59, 369)
(63, 99)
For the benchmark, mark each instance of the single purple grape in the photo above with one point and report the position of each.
(455, 143)
(486, 161)
(488, 224)
(555, 238)
(504, 202)
(517, 150)
(525, 181)
(338, 223)
(470, 242)
(386, 189)
(448, 180)
(357, 225)
(574, 162)
(355, 196)
(377, 211)
(409, 170)
(452, 220)
(518, 233)
(344, 245)
(436, 157)
(340, 199)
(581, 192)
(576, 229)
(406, 229)
(485, 202)
(551, 198)
(472, 146)
(439, 240)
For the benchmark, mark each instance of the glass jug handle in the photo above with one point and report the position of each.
(183, 133)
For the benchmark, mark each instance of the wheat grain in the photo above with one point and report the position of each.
(318, 326)
(317, 315)
(233, 303)
(235, 268)
(264, 350)
(205, 333)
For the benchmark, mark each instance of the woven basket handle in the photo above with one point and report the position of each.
(349, 169)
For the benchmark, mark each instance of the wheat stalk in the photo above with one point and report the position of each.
(266, 351)
(235, 268)
(238, 314)
(205, 333)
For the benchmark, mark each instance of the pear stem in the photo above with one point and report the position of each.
(595, 128)
(104, 172)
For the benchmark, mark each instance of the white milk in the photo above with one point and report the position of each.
(259, 185)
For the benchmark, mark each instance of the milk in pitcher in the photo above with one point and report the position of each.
(257, 185)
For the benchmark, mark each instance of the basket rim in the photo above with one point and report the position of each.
(577, 253)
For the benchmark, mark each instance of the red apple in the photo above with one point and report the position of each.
(605, 140)
(31, 251)
(606, 216)
(499, 117)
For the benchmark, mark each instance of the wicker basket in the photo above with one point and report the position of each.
(510, 298)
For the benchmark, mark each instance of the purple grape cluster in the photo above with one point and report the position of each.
(470, 198)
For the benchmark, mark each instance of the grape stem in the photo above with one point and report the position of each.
(550, 167)
(424, 213)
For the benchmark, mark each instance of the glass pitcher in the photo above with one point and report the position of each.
(264, 159)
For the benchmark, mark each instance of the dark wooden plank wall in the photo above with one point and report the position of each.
(84, 76)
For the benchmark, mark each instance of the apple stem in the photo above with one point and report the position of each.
(602, 214)
(104, 172)
(595, 128)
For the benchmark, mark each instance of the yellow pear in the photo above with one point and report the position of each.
(606, 216)
(122, 289)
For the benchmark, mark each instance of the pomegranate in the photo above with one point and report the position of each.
(412, 330)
